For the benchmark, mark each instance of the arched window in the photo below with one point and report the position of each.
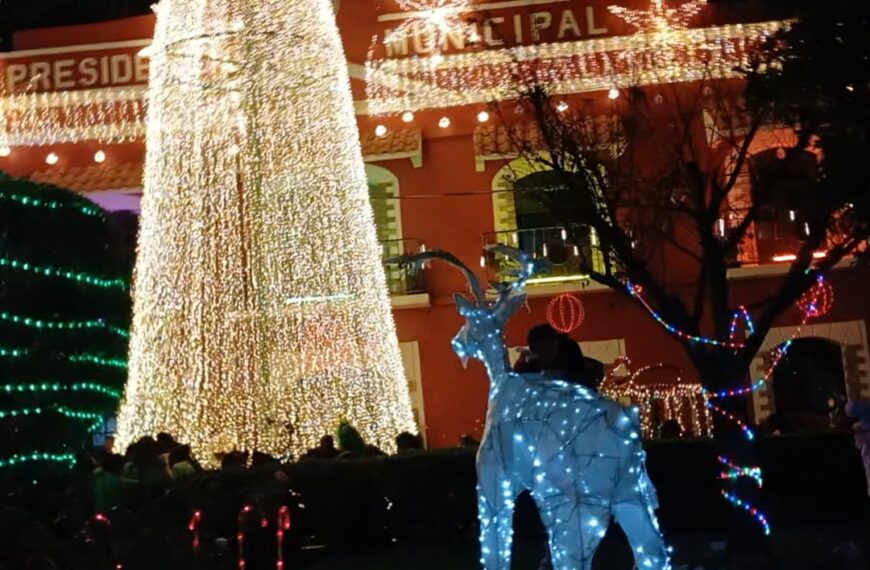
(530, 204)
(384, 194)
(809, 388)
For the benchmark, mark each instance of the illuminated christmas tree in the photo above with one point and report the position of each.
(261, 315)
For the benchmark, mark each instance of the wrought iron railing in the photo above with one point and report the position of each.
(773, 238)
(571, 250)
(402, 280)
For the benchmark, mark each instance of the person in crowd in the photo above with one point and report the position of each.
(352, 444)
(325, 449)
(543, 345)
(108, 483)
(181, 463)
(860, 410)
(408, 442)
(557, 355)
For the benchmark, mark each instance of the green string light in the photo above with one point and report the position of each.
(98, 360)
(62, 325)
(63, 273)
(13, 352)
(56, 387)
(18, 459)
(78, 414)
(22, 412)
(51, 204)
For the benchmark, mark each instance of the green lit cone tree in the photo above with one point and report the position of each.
(64, 306)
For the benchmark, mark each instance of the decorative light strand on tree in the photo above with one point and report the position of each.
(754, 512)
(57, 387)
(97, 360)
(49, 271)
(31, 201)
(734, 472)
(61, 325)
(13, 352)
(36, 456)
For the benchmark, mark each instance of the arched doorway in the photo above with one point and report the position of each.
(809, 387)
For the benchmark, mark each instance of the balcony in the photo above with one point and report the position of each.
(770, 245)
(567, 248)
(406, 284)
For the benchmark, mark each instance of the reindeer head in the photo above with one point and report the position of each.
(481, 335)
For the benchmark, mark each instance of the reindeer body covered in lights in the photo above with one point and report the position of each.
(577, 453)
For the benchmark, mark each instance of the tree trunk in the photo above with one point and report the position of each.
(721, 370)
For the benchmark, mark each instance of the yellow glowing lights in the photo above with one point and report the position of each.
(408, 117)
(381, 131)
(613, 94)
(5, 151)
(483, 116)
(51, 158)
(444, 122)
(562, 106)
(261, 316)
(100, 156)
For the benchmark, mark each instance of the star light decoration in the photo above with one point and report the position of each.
(658, 49)
(434, 20)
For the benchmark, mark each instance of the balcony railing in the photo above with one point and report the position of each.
(775, 238)
(567, 248)
(402, 280)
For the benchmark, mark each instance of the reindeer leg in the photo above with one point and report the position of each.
(574, 529)
(636, 516)
(496, 494)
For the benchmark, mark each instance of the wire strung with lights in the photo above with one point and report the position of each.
(261, 315)
(50, 271)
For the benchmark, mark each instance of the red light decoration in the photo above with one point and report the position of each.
(193, 526)
(283, 524)
(565, 313)
(818, 300)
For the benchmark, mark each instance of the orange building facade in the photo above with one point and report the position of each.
(72, 113)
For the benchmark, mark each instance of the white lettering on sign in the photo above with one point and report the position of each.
(65, 74)
(508, 30)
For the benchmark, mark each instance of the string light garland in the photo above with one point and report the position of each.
(13, 352)
(97, 360)
(22, 458)
(57, 387)
(34, 202)
(193, 527)
(565, 313)
(753, 512)
(109, 115)
(680, 401)
(637, 292)
(261, 315)
(50, 271)
(434, 21)
(733, 472)
(818, 300)
(282, 523)
(480, 77)
(61, 325)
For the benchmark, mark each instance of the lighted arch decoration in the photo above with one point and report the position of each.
(659, 401)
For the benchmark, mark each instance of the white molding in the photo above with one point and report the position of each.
(415, 301)
(398, 16)
(773, 269)
(74, 48)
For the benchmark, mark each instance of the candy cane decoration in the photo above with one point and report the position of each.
(283, 524)
(193, 526)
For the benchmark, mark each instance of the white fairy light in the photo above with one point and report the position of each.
(381, 130)
(99, 156)
(483, 117)
(407, 117)
(51, 158)
(261, 316)
(5, 151)
(444, 122)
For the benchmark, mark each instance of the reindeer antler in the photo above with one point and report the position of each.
(419, 259)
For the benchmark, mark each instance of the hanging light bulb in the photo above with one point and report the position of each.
(444, 122)
(722, 227)
(613, 94)
(5, 151)
(564, 234)
(51, 158)
(562, 106)
(483, 116)
(792, 215)
(483, 261)
(380, 131)
(407, 116)
(99, 156)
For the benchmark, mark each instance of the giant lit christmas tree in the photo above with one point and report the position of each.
(261, 316)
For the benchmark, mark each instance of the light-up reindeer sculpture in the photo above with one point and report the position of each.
(577, 453)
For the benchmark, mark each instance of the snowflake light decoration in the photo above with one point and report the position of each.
(659, 18)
